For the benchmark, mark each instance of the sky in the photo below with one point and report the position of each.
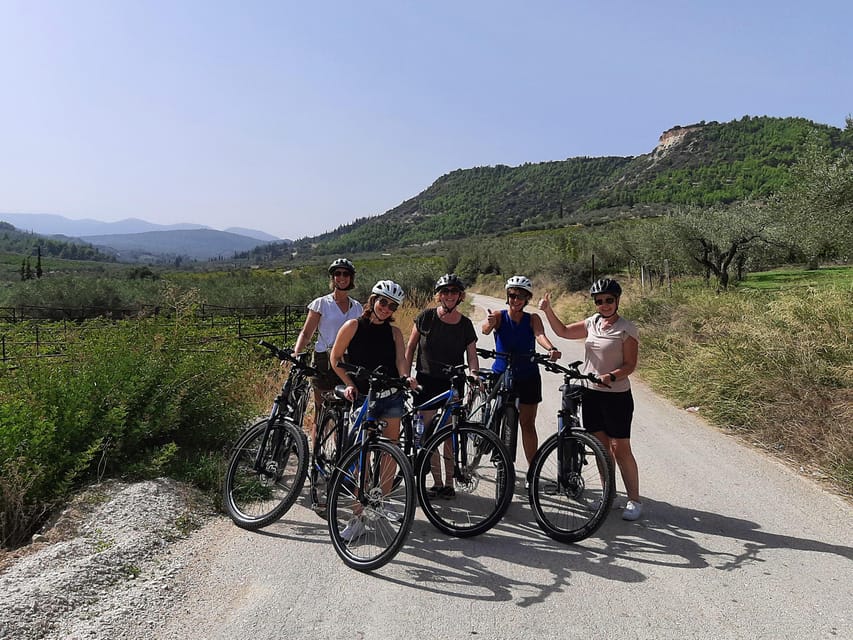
(295, 117)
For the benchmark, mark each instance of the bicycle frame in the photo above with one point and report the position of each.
(284, 405)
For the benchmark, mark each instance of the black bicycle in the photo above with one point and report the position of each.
(570, 497)
(372, 489)
(269, 462)
(483, 475)
(496, 407)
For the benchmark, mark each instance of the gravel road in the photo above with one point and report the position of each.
(732, 544)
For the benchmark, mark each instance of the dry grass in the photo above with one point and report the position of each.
(775, 367)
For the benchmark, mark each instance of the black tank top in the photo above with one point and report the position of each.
(372, 346)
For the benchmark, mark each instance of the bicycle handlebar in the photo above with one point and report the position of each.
(375, 376)
(286, 354)
(571, 371)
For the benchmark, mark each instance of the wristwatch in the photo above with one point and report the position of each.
(612, 377)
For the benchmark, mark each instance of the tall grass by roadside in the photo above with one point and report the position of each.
(774, 364)
(125, 400)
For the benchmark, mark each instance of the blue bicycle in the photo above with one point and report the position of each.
(469, 463)
(371, 493)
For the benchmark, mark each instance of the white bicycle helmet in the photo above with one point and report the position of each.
(520, 282)
(390, 290)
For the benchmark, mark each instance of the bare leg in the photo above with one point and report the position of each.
(527, 423)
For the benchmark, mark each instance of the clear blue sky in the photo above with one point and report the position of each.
(296, 117)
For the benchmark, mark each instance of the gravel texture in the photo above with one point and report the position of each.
(106, 567)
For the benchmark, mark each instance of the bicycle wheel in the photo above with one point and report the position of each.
(367, 534)
(506, 421)
(255, 497)
(323, 459)
(477, 407)
(482, 484)
(571, 500)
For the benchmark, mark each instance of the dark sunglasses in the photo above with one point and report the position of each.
(449, 290)
(387, 303)
(601, 301)
(341, 273)
(516, 296)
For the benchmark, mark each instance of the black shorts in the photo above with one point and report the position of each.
(432, 386)
(529, 390)
(328, 379)
(608, 412)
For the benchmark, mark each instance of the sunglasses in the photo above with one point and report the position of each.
(387, 303)
(341, 273)
(516, 296)
(601, 301)
(449, 290)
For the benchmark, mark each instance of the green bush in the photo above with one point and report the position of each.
(124, 400)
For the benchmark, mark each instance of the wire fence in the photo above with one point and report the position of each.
(41, 332)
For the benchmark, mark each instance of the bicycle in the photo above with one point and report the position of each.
(373, 483)
(482, 486)
(496, 409)
(570, 497)
(269, 462)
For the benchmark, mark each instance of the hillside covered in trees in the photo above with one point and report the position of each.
(708, 164)
(29, 244)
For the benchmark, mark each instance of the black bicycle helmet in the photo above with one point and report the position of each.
(449, 280)
(342, 263)
(605, 285)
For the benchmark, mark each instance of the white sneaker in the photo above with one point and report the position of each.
(633, 510)
(390, 512)
(355, 529)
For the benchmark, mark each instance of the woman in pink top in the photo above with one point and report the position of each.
(610, 352)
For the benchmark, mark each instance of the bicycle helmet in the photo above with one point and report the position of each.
(449, 280)
(390, 290)
(605, 285)
(520, 282)
(342, 263)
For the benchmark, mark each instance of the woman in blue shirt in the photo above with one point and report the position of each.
(517, 332)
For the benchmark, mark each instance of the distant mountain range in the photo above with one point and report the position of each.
(133, 240)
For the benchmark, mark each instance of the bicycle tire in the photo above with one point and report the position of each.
(477, 408)
(506, 420)
(323, 458)
(257, 499)
(571, 505)
(483, 485)
(385, 529)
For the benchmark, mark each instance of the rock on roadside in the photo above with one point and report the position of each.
(105, 569)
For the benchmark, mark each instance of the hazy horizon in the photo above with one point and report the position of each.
(294, 120)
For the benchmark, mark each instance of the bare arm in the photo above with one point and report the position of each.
(414, 337)
(401, 357)
(630, 353)
(574, 331)
(308, 330)
(344, 337)
(541, 338)
(473, 360)
(492, 322)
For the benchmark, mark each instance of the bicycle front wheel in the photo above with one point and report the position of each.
(262, 484)
(506, 419)
(476, 488)
(571, 491)
(368, 532)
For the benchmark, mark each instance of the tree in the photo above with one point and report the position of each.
(815, 208)
(38, 262)
(715, 238)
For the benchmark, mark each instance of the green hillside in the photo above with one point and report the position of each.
(706, 164)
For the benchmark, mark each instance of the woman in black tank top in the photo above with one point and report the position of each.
(372, 341)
